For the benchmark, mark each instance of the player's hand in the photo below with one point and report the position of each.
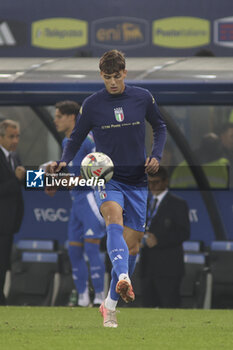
(55, 167)
(151, 240)
(152, 166)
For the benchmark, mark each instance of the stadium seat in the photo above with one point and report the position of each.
(27, 245)
(196, 287)
(193, 246)
(221, 263)
(35, 279)
(36, 245)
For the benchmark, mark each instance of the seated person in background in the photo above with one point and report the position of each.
(215, 165)
(161, 263)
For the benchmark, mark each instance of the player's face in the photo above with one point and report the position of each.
(64, 122)
(11, 139)
(114, 83)
(157, 185)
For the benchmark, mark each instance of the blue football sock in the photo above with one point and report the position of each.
(79, 268)
(117, 249)
(97, 268)
(132, 264)
(113, 294)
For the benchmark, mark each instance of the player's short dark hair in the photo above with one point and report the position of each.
(161, 173)
(68, 107)
(112, 61)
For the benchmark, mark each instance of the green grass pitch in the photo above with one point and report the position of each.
(58, 328)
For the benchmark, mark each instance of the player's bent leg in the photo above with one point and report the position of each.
(112, 213)
(97, 268)
(133, 239)
(116, 246)
(132, 263)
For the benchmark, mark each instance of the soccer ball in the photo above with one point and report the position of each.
(97, 165)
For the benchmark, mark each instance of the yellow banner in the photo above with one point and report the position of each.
(59, 33)
(181, 32)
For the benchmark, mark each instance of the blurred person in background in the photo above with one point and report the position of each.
(210, 155)
(11, 200)
(162, 258)
(86, 226)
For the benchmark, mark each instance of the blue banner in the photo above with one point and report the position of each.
(201, 226)
(45, 217)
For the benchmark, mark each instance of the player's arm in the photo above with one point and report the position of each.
(155, 118)
(78, 135)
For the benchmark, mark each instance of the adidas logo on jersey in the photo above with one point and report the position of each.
(6, 36)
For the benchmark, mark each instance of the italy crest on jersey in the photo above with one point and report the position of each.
(119, 114)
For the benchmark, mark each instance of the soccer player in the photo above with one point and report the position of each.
(86, 226)
(117, 115)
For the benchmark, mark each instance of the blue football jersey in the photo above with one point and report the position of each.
(118, 126)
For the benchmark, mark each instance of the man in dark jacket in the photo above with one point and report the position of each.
(11, 201)
(168, 226)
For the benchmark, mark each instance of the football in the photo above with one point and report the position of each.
(98, 165)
